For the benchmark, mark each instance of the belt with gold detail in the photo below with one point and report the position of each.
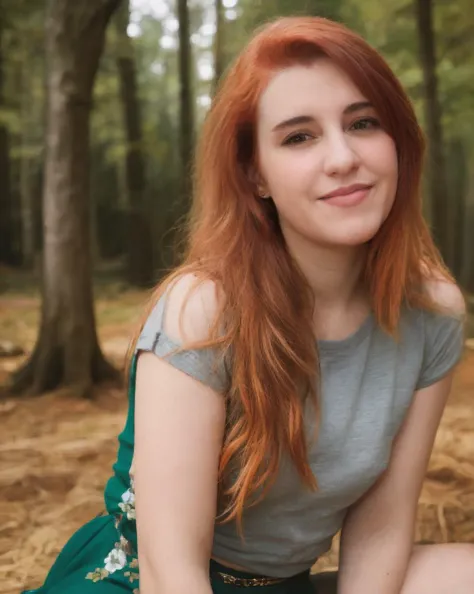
(247, 582)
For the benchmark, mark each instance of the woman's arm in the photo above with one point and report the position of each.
(377, 535)
(179, 425)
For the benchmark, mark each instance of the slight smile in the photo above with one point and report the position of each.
(351, 195)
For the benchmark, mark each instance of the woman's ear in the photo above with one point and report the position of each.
(257, 181)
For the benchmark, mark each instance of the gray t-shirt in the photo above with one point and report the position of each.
(368, 382)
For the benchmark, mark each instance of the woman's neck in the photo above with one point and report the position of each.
(336, 277)
(334, 273)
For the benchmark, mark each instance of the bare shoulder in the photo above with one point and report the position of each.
(447, 295)
(192, 305)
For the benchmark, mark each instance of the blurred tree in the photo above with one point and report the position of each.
(456, 183)
(67, 351)
(26, 172)
(140, 247)
(186, 99)
(28, 61)
(156, 67)
(219, 37)
(109, 194)
(24, 95)
(468, 251)
(455, 29)
(7, 245)
(442, 215)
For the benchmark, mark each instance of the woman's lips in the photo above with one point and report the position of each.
(350, 196)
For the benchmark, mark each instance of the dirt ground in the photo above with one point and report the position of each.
(56, 452)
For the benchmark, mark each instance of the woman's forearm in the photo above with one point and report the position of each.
(374, 561)
(178, 581)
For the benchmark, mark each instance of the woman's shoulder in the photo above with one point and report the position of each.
(179, 327)
(437, 332)
(191, 305)
(444, 314)
(446, 296)
(446, 305)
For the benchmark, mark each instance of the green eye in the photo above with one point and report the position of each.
(365, 124)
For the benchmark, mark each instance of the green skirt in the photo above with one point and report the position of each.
(96, 561)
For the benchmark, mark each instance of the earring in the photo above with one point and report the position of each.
(263, 195)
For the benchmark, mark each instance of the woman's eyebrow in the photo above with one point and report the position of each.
(358, 106)
(301, 119)
(307, 119)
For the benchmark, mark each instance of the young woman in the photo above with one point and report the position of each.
(291, 375)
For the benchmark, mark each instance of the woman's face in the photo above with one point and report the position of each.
(318, 135)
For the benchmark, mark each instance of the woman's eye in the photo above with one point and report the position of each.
(297, 138)
(365, 124)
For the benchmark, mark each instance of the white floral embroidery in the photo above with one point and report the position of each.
(129, 497)
(128, 502)
(128, 505)
(115, 560)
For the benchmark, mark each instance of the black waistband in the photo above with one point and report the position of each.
(246, 579)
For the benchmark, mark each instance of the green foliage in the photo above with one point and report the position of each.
(23, 46)
(10, 119)
(260, 10)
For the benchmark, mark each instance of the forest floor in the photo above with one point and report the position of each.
(56, 452)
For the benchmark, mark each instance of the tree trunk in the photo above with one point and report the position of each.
(441, 214)
(7, 249)
(467, 275)
(218, 44)
(186, 100)
(67, 352)
(140, 244)
(457, 178)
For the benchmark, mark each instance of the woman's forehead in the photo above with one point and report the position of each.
(319, 88)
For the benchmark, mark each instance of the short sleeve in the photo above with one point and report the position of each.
(444, 342)
(204, 365)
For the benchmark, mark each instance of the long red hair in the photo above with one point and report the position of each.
(234, 240)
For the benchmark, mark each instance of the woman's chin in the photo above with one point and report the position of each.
(354, 236)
